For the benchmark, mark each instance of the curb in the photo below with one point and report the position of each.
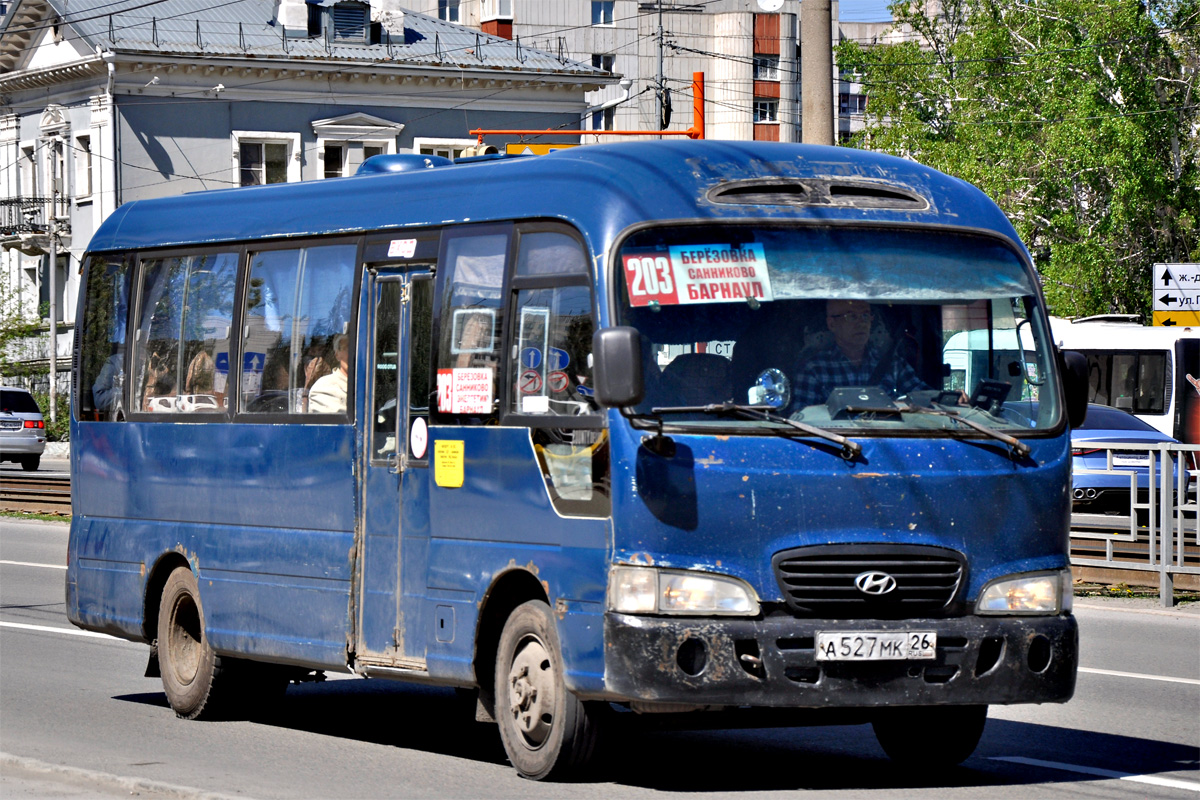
(106, 779)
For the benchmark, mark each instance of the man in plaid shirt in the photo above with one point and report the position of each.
(850, 362)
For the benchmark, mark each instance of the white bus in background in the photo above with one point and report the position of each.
(1151, 372)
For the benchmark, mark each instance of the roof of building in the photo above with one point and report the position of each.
(251, 29)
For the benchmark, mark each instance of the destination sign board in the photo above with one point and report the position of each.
(1176, 294)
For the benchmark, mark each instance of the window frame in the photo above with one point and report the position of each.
(598, 20)
(514, 286)
(766, 110)
(291, 140)
(449, 10)
(300, 417)
(766, 67)
(84, 175)
(494, 10)
(434, 143)
(134, 345)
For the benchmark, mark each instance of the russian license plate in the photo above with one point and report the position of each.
(876, 645)
(1131, 461)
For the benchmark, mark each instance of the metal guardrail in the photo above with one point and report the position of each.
(1156, 534)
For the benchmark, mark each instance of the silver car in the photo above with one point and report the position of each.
(22, 430)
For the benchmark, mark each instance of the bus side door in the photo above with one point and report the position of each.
(394, 529)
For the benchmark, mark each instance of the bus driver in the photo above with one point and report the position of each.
(850, 361)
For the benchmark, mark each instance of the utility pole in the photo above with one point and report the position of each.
(816, 71)
(54, 293)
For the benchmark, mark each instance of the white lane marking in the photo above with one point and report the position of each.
(31, 564)
(68, 631)
(1164, 678)
(1102, 773)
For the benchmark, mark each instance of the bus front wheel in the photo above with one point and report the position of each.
(547, 731)
(931, 736)
(188, 664)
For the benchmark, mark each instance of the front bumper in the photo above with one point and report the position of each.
(772, 662)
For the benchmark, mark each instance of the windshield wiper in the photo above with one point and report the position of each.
(850, 448)
(1015, 444)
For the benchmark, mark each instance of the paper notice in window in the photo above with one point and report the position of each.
(465, 391)
(710, 273)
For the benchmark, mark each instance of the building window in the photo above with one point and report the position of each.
(29, 182)
(370, 150)
(448, 10)
(446, 148)
(603, 61)
(602, 12)
(263, 162)
(265, 157)
(766, 68)
(83, 166)
(852, 103)
(496, 9)
(602, 119)
(335, 160)
(766, 110)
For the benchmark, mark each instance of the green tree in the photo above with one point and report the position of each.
(1079, 119)
(18, 323)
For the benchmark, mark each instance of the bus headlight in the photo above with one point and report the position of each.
(647, 590)
(1036, 593)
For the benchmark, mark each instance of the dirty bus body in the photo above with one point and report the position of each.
(573, 432)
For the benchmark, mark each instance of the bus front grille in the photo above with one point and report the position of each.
(870, 581)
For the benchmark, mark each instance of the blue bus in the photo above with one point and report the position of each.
(660, 428)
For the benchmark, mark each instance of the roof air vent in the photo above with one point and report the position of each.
(816, 192)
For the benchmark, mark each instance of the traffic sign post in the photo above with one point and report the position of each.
(1176, 294)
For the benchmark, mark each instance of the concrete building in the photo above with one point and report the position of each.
(105, 103)
(748, 51)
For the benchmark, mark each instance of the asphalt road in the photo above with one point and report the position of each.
(77, 720)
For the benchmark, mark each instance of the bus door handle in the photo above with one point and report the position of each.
(393, 464)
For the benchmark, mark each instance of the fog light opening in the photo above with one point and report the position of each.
(1039, 654)
(692, 657)
(991, 649)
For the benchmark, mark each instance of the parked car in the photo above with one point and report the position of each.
(22, 430)
(1109, 494)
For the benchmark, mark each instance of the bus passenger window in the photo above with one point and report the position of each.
(297, 340)
(469, 347)
(101, 380)
(183, 336)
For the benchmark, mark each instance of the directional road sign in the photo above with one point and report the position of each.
(1176, 290)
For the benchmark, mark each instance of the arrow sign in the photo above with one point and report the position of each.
(1168, 299)
(1168, 322)
(1166, 277)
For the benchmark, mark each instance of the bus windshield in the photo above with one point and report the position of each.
(844, 328)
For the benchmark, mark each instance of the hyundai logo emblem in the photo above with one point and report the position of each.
(875, 583)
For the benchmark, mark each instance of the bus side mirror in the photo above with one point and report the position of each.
(617, 367)
(1075, 385)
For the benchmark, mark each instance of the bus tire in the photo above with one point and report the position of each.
(190, 669)
(547, 731)
(930, 736)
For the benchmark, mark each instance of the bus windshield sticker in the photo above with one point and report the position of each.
(704, 273)
(465, 391)
(402, 248)
(448, 463)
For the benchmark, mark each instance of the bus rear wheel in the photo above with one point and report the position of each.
(547, 731)
(930, 736)
(190, 669)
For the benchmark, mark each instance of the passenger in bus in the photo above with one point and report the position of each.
(851, 361)
(106, 391)
(316, 366)
(200, 370)
(328, 394)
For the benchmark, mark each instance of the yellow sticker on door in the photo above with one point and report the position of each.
(448, 463)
